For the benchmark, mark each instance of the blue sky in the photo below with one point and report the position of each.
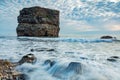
(76, 16)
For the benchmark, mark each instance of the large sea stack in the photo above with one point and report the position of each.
(38, 22)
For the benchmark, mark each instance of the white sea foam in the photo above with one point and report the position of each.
(91, 53)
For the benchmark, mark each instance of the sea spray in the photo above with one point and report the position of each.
(92, 55)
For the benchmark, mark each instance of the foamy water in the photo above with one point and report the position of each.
(92, 55)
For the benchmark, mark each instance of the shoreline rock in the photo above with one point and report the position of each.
(8, 71)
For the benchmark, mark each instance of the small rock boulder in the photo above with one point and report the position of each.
(62, 72)
(49, 62)
(113, 58)
(29, 58)
(108, 37)
(75, 66)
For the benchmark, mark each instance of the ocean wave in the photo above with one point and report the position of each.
(64, 40)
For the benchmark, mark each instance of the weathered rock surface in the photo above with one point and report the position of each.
(29, 58)
(38, 22)
(8, 72)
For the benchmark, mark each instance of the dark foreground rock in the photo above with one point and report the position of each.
(49, 62)
(29, 58)
(62, 71)
(38, 22)
(74, 66)
(8, 72)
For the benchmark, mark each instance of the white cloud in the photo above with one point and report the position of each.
(77, 26)
(86, 28)
(114, 0)
(104, 0)
(113, 27)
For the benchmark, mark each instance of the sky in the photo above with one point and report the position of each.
(76, 16)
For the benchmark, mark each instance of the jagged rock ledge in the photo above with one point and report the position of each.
(8, 71)
(38, 22)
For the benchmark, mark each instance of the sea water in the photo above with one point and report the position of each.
(91, 52)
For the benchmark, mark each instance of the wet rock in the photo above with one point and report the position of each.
(8, 69)
(42, 49)
(23, 77)
(29, 58)
(32, 50)
(50, 50)
(116, 57)
(8, 72)
(39, 50)
(113, 58)
(38, 22)
(83, 58)
(108, 37)
(52, 63)
(49, 62)
(69, 52)
(62, 72)
(74, 66)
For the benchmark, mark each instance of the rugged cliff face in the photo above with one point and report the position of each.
(38, 22)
